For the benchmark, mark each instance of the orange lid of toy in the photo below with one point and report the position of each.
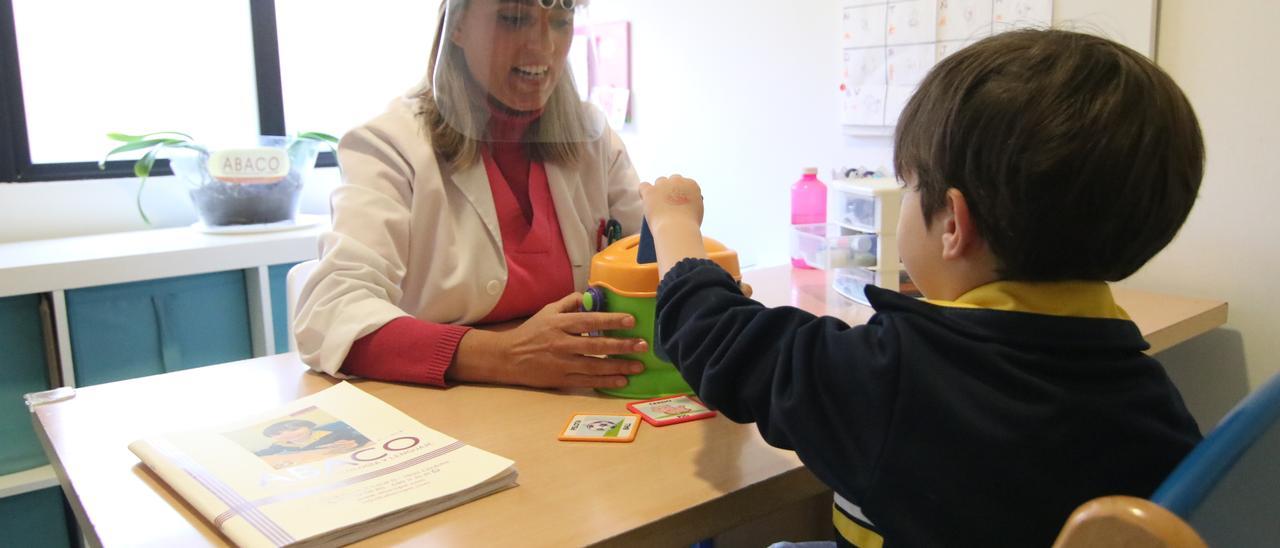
(615, 267)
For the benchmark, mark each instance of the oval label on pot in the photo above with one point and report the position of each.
(249, 165)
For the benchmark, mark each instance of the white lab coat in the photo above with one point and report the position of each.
(412, 238)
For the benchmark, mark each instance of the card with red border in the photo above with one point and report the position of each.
(670, 410)
(599, 427)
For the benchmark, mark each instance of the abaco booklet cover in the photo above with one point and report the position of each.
(330, 468)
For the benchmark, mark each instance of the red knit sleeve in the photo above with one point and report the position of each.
(405, 350)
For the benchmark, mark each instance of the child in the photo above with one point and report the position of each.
(1037, 166)
(298, 436)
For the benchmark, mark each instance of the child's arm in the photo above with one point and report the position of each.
(811, 384)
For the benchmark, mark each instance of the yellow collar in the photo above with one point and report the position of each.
(1072, 298)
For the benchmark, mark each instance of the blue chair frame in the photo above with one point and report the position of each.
(1206, 465)
(1225, 492)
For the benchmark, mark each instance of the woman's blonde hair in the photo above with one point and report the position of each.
(556, 136)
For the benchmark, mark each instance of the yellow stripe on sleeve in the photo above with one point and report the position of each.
(854, 532)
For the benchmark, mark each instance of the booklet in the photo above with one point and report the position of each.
(330, 468)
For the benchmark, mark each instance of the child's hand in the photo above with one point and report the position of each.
(673, 207)
(672, 200)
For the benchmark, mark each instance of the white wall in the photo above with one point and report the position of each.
(743, 94)
(740, 95)
(1223, 55)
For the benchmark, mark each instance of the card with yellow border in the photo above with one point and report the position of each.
(598, 427)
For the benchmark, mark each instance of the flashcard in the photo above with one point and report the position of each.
(670, 410)
(589, 427)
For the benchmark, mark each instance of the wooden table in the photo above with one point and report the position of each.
(672, 486)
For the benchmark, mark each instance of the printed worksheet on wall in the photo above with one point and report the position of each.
(890, 45)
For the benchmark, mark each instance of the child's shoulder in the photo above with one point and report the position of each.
(991, 328)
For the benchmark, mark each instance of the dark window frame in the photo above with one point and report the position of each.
(15, 147)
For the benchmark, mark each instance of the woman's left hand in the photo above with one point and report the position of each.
(548, 350)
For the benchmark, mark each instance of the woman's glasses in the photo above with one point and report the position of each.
(566, 4)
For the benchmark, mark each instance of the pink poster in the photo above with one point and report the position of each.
(608, 68)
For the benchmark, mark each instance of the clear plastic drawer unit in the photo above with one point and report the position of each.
(864, 210)
(829, 245)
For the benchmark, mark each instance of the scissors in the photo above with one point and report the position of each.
(613, 231)
(608, 232)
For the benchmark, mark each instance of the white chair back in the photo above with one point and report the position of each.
(294, 281)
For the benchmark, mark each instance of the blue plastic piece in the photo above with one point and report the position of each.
(645, 254)
(1192, 481)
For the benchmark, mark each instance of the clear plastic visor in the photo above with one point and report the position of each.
(503, 70)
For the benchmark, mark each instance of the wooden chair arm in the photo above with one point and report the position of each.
(1128, 522)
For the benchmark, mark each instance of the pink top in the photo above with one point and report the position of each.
(407, 349)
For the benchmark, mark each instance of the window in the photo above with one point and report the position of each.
(132, 67)
(359, 55)
(73, 70)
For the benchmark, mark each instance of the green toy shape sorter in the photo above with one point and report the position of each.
(620, 284)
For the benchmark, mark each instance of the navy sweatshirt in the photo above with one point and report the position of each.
(947, 426)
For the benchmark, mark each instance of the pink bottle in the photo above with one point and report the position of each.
(808, 204)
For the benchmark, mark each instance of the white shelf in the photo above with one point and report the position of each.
(41, 266)
(27, 481)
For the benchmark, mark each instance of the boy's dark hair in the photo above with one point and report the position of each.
(1078, 157)
(287, 425)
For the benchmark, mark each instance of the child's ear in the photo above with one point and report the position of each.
(960, 233)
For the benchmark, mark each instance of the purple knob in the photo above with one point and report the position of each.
(593, 300)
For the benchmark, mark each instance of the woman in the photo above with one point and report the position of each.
(475, 202)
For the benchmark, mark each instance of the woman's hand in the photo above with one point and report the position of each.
(548, 350)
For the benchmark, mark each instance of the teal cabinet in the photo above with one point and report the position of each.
(23, 368)
(38, 518)
(144, 328)
(279, 274)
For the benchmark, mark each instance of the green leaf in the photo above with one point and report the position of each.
(329, 141)
(318, 136)
(188, 146)
(153, 143)
(131, 138)
(138, 200)
(142, 168)
(137, 145)
(143, 144)
(124, 138)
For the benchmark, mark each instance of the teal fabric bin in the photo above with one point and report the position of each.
(38, 518)
(23, 368)
(144, 328)
(279, 276)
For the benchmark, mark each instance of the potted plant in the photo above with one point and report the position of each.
(251, 185)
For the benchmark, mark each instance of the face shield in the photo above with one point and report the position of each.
(502, 71)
